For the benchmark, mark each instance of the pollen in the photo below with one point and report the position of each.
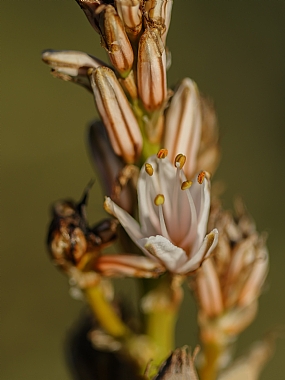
(159, 200)
(186, 184)
(180, 160)
(201, 177)
(149, 169)
(162, 153)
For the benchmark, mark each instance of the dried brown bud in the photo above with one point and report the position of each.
(90, 7)
(117, 115)
(70, 238)
(158, 14)
(151, 70)
(131, 15)
(178, 366)
(116, 41)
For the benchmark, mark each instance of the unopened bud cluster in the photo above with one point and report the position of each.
(229, 283)
(131, 94)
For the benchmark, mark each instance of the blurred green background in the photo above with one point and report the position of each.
(234, 50)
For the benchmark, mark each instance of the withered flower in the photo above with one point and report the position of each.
(71, 242)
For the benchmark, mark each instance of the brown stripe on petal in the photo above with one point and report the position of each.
(151, 70)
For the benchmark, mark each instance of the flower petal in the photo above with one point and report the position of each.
(128, 265)
(209, 243)
(129, 223)
(161, 248)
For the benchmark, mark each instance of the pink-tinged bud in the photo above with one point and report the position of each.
(158, 13)
(208, 290)
(71, 65)
(131, 15)
(229, 283)
(117, 115)
(183, 125)
(116, 41)
(151, 70)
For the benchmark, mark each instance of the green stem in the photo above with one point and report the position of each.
(105, 314)
(149, 148)
(161, 306)
(212, 353)
(161, 329)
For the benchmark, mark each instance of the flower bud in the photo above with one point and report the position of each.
(117, 115)
(151, 70)
(229, 283)
(183, 125)
(71, 65)
(131, 15)
(116, 41)
(158, 13)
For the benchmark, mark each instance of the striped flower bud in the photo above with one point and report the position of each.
(116, 41)
(183, 125)
(71, 65)
(151, 70)
(158, 13)
(131, 15)
(117, 115)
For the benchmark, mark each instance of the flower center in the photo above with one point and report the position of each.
(176, 215)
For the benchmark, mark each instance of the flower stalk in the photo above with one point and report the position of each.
(105, 314)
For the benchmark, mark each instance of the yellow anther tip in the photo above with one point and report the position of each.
(186, 184)
(149, 169)
(162, 153)
(180, 160)
(201, 177)
(159, 200)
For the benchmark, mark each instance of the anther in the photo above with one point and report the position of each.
(201, 177)
(180, 160)
(162, 153)
(159, 200)
(186, 184)
(149, 169)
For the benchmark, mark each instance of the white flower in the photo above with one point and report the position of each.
(173, 214)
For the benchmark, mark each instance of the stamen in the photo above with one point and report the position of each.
(149, 169)
(186, 185)
(180, 160)
(162, 153)
(159, 200)
(201, 177)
